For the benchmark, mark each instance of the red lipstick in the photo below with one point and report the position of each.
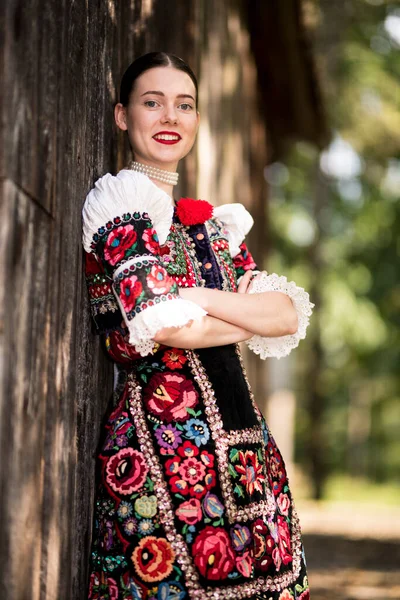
(167, 137)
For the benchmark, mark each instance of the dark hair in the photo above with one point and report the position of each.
(150, 61)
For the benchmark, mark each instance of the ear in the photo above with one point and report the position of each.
(120, 116)
(198, 120)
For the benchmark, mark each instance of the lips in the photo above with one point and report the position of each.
(167, 137)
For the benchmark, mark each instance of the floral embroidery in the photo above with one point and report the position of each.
(169, 396)
(130, 526)
(245, 564)
(173, 590)
(125, 510)
(241, 536)
(174, 358)
(197, 431)
(119, 244)
(153, 559)
(168, 437)
(189, 502)
(191, 471)
(243, 261)
(150, 239)
(283, 502)
(126, 471)
(285, 548)
(213, 554)
(212, 506)
(146, 506)
(286, 595)
(264, 545)
(275, 468)
(158, 280)
(145, 527)
(109, 586)
(190, 511)
(131, 289)
(250, 471)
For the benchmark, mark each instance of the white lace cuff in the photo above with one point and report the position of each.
(278, 347)
(171, 313)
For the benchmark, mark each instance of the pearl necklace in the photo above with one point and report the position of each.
(154, 172)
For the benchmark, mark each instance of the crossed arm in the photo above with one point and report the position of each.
(232, 317)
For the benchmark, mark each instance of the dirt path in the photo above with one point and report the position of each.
(352, 555)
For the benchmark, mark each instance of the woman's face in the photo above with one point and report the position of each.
(161, 117)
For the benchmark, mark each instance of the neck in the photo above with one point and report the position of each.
(162, 178)
(166, 187)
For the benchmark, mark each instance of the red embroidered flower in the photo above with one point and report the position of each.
(130, 290)
(264, 545)
(250, 471)
(275, 468)
(212, 553)
(174, 358)
(244, 259)
(150, 238)
(97, 586)
(305, 595)
(190, 511)
(153, 558)
(158, 280)
(118, 242)
(92, 266)
(285, 546)
(283, 502)
(169, 395)
(286, 595)
(193, 212)
(126, 471)
(192, 470)
(119, 349)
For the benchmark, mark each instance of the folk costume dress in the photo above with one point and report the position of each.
(192, 497)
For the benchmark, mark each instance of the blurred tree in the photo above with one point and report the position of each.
(336, 219)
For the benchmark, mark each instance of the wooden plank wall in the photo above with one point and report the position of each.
(61, 63)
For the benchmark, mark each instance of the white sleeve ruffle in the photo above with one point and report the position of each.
(172, 313)
(128, 191)
(278, 347)
(238, 222)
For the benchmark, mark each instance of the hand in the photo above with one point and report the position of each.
(244, 284)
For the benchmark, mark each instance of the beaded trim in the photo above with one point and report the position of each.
(222, 440)
(132, 264)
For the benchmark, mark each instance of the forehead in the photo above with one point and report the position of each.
(164, 79)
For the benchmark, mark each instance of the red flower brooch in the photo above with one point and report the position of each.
(193, 212)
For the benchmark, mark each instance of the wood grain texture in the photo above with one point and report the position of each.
(61, 66)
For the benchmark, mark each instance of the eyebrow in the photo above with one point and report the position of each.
(157, 93)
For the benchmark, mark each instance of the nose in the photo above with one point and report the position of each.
(170, 115)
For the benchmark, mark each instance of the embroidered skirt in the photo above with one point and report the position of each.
(192, 496)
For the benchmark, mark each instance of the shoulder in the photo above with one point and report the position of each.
(237, 221)
(127, 192)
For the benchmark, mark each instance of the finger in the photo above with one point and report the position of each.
(244, 282)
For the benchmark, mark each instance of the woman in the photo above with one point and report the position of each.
(192, 496)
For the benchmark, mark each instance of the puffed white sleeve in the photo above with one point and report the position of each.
(125, 220)
(238, 222)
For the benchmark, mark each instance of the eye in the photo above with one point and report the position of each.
(185, 106)
(151, 103)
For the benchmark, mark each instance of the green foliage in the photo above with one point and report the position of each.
(339, 237)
